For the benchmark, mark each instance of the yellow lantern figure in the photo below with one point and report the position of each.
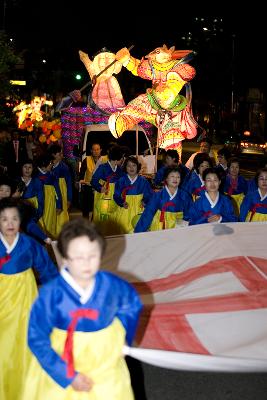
(162, 105)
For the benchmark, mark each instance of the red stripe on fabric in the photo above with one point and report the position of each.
(169, 332)
(239, 266)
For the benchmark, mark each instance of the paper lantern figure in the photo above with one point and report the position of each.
(106, 93)
(162, 105)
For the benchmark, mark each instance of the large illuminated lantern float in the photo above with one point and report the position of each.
(162, 105)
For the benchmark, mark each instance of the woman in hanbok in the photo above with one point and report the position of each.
(19, 254)
(29, 216)
(254, 204)
(52, 196)
(103, 182)
(212, 206)
(80, 323)
(132, 193)
(33, 192)
(167, 208)
(194, 184)
(235, 185)
(63, 175)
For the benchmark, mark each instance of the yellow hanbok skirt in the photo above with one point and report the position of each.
(171, 220)
(125, 217)
(257, 217)
(17, 293)
(104, 212)
(97, 355)
(49, 218)
(236, 201)
(63, 217)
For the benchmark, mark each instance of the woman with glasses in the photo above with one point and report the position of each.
(254, 205)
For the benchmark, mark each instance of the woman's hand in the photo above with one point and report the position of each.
(82, 383)
(214, 218)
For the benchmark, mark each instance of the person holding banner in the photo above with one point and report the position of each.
(254, 204)
(79, 324)
(132, 193)
(212, 206)
(168, 207)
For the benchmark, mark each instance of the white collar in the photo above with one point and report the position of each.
(171, 195)
(212, 203)
(26, 183)
(42, 171)
(132, 180)
(54, 166)
(115, 168)
(261, 196)
(9, 247)
(85, 294)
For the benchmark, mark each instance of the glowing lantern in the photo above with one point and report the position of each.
(42, 138)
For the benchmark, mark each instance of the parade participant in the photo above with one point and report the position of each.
(194, 183)
(29, 217)
(254, 205)
(19, 254)
(204, 147)
(33, 191)
(79, 323)
(103, 182)
(88, 167)
(62, 172)
(52, 196)
(212, 206)
(168, 207)
(132, 193)
(235, 185)
(171, 160)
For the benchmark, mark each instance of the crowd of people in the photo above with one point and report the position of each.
(52, 314)
(207, 189)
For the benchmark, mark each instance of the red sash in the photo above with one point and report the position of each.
(68, 348)
(162, 214)
(254, 209)
(198, 190)
(4, 260)
(108, 181)
(207, 214)
(124, 192)
(233, 186)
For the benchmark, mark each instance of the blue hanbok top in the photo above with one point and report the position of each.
(204, 207)
(162, 200)
(27, 253)
(111, 297)
(124, 186)
(105, 173)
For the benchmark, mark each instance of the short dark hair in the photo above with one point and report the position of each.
(199, 158)
(258, 174)
(211, 171)
(173, 154)
(10, 202)
(54, 149)
(233, 160)
(79, 227)
(169, 170)
(115, 153)
(133, 160)
(224, 152)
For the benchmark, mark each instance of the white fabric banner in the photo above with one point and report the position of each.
(204, 290)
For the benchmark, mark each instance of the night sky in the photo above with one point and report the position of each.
(56, 30)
